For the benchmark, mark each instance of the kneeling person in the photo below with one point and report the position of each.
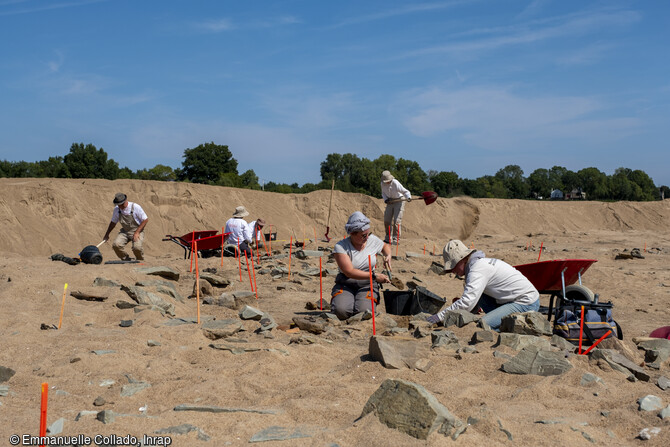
(351, 293)
(492, 284)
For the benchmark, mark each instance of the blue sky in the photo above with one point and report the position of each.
(465, 86)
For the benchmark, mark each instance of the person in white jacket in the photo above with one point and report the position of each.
(395, 195)
(491, 284)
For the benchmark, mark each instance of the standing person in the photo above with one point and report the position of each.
(256, 228)
(395, 195)
(133, 220)
(351, 293)
(239, 230)
(492, 284)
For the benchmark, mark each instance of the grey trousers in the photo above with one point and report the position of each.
(352, 296)
(122, 240)
(392, 218)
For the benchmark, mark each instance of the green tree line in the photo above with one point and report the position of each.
(214, 164)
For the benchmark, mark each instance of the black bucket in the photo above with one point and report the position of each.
(398, 302)
(426, 301)
(270, 236)
(91, 255)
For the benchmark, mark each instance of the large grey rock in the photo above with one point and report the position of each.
(214, 279)
(444, 339)
(221, 328)
(562, 343)
(396, 353)
(649, 403)
(481, 336)
(206, 288)
(531, 360)
(6, 373)
(304, 254)
(143, 297)
(459, 318)
(106, 416)
(619, 362)
(56, 427)
(162, 271)
(528, 323)
(519, 341)
(411, 409)
(250, 313)
(311, 324)
(663, 383)
(665, 413)
(267, 323)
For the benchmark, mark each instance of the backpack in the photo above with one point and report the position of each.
(598, 318)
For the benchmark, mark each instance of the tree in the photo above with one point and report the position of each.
(594, 183)
(539, 183)
(90, 162)
(513, 181)
(249, 179)
(444, 183)
(206, 163)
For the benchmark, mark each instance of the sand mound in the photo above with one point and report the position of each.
(316, 385)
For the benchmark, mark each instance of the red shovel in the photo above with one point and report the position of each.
(330, 207)
(428, 196)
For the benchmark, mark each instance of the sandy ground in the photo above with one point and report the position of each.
(320, 388)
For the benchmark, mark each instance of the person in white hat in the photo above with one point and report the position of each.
(133, 219)
(491, 284)
(240, 233)
(395, 195)
(351, 292)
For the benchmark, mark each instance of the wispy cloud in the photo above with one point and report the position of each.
(227, 24)
(31, 6)
(382, 15)
(532, 32)
(215, 26)
(498, 119)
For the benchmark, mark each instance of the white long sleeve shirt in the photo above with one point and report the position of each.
(239, 231)
(394, 190)
(497, 279)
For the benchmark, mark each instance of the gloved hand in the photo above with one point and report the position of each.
(409, 200)
(433, 319)
(386, 200)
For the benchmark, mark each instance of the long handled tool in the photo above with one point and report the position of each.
(100, 244)
(428, 196)
(330, 207)
(395, 281)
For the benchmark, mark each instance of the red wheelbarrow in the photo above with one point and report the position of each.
(552, 277)
(207, 240)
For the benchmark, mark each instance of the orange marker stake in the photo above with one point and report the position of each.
(254, 270)
(251, 284)
(597, 342)
(62, 307)
(290, 251)
(581, 331)
(43, 410)
(197, 282)
(398, 244)
(239, 259)
(538, 256)
(320, 286)
(390, 238)
(645, 247)
(433, 249)
(372, 295)
(424, 249)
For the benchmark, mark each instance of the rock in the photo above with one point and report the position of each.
(444, 339)
(206, 288)
(106, 416)
(85, 295)
(310, 324)
(99, 401)
(221, 328)
(141, 296)
(103, 282)
(182, 430)
(4, 390)
(588, 379)
(622, 347)
(649, 403)
(527, 323)
(121, 304)
(531, 360)
(459, 318)
(620, 363)
(304, 254)
(213, 409)
(396, 353)
(411, 409)
(276, 433)
(267, 323)
(6, 374)
(519, 341)
(162, 271)
(153, 343)
(437, 268)
(663, 383)
(214, 279)
(420, 328)
(132, 388)
(646, 433)
(126, 323)
(309, 305)
(56, 427)
(665, 413)
(482, 336)
(103, 351)
(361, 316)
(562, 343)
(250, 313)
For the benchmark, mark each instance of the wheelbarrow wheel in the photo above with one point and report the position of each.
(579, 293)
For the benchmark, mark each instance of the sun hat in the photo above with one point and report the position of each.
(119, 198)
(387, 177)
(260, 223)
(357, 222)
(240, 211)
(453, 253)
